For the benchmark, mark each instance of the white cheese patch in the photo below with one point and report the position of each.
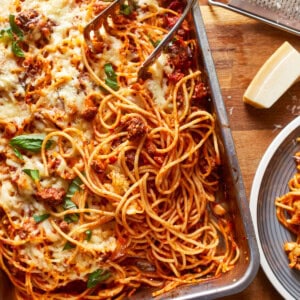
(156, 84)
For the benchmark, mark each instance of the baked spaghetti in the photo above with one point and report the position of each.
(108, 183)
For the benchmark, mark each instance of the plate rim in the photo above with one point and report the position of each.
(256, 185)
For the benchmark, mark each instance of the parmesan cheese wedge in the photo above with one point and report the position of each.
(274, 78)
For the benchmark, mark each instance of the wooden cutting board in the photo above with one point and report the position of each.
(240, 46)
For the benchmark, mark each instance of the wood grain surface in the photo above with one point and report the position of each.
(240, 46)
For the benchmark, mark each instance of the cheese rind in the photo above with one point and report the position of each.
(274, 78)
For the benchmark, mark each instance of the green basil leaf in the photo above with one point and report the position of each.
(15, 34)
(68, 246)
(98, 276)
(40, 218)
(18, 153)
(88, 235)
(126, 9)
(10, 33)
(6, 32)
(34, 174)
(2, 33)
(68, 204)
(111, 79)
(16, 50)
(71, 218)
(109, 71)
(112, 84)
(30, 142)
(74, 187)
(15, 28)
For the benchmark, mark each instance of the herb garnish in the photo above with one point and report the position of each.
(126, 9)
(15, 35)
(40, 218)
(18, 153)
(97, 277)
(68, 246)
(68, 203)
(111, 79)
(88, 235)
(34, 174)
(30, 142)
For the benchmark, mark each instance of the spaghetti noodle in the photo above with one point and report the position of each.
(288, 213)
(107, 183)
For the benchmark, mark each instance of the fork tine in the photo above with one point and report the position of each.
(97, 22)
(99, 19)
(142, 73)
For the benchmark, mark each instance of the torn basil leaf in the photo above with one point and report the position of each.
(6, 32)
(34, 174)
(74, 187)
(126, 9)
(30, 142)
(88, 235)
(18, 153)
(15, 28)
(111, 79)
(71, 218)
(40, 218)
(68, 246)
(112, 84)
(68, 203)
(16, 49)
(15, 35)
(98, 276)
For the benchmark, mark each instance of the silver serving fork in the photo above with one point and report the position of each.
(97, 22)
(156, 52)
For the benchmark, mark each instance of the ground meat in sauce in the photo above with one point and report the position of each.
(64, 226)
(135, 126)
(151, 149)
(36, 27)
(180, 55)
(90, 109)
(130, 157)
(51, 196)
(99, 168)
(200, 91)
(33, 67)
(180, 58)
(27, 20)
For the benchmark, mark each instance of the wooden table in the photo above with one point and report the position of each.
(240, 46)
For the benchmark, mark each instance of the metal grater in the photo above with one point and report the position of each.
(283, 14)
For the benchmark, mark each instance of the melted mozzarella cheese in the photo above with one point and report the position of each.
(59, 99)
(156, 84)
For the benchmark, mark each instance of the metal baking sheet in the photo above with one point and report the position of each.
(246, 268)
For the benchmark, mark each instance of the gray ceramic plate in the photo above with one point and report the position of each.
(274, 171)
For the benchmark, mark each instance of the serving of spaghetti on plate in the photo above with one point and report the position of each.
(276, 169)
(108, 183)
